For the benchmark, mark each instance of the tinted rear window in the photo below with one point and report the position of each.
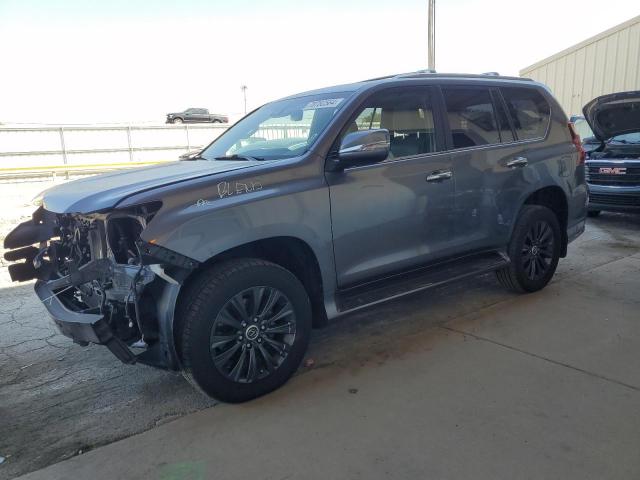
(472, 120)
(529, 112)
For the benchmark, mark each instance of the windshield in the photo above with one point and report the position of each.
(627, 138)
(582, 128)
(277, 130)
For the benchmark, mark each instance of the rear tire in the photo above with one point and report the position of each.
(593, 213)
(534, 250)
(244, 327)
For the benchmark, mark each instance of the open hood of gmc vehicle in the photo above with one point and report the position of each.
(104, 191)
(613, 114)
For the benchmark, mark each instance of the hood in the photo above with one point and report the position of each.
(104, 191)
(614, 114)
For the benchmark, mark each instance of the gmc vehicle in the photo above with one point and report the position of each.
(613, 153)
(220, 265)
(196, 115)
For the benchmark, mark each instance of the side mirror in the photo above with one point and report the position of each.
(367, 146)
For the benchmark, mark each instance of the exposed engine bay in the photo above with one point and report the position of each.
(615, 152)
(96, 265)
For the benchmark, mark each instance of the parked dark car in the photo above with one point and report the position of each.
(219, 265)
(613, 152)
(196, 115)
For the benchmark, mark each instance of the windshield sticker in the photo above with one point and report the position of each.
(327, 103)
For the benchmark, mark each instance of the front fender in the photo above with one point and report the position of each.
(207, 217)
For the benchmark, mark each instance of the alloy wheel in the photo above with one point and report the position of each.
(253, 334)
(538, 250)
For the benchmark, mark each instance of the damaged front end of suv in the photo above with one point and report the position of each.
(100, 282)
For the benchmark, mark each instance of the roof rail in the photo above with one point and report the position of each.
(426, 71)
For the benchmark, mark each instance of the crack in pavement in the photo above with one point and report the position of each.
(541, 357)
(535, 355)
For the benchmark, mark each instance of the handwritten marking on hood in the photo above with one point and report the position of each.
(229, 189)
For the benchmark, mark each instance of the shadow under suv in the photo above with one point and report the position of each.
(310, 207)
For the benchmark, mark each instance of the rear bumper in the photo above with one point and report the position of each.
(82, 328)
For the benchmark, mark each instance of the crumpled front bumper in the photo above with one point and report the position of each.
(35, 256)
(82, 328)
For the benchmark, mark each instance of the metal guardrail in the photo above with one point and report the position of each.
(33, 151)
(131, 148)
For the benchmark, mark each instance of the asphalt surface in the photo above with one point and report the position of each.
(464, 381)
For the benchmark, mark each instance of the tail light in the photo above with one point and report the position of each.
(575, 138)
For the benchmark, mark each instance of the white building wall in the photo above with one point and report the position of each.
(606, 63)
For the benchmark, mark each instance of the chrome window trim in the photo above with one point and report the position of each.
(446, 152)
(499, 145)
(397, 160)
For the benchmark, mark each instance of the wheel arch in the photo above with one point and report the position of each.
(291, 253)
(555, 199)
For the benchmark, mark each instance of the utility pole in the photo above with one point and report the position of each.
(244, 93)
(431, 61)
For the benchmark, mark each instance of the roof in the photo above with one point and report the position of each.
(582, 44)
(420, 74)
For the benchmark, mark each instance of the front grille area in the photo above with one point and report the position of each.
(625, 200)
(629, 179)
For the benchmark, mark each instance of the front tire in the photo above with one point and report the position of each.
(244, 329)
(534, 250)
(177, 121)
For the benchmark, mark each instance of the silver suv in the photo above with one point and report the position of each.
(310, 207)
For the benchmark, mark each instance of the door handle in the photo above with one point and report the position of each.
(439, 175)
(518, 162)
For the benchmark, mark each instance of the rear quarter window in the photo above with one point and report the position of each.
(529, 111)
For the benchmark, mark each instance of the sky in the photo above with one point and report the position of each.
(73, 61)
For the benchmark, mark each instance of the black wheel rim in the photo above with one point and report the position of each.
(253, 334)
(537, 250)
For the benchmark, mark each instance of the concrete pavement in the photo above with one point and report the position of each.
(461, 382)
(57, 398)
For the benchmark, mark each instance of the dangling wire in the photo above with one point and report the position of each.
(58, 293)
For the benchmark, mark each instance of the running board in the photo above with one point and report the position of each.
(361, 296)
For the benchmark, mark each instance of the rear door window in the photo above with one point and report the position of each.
(471, 116)
(529, 112)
